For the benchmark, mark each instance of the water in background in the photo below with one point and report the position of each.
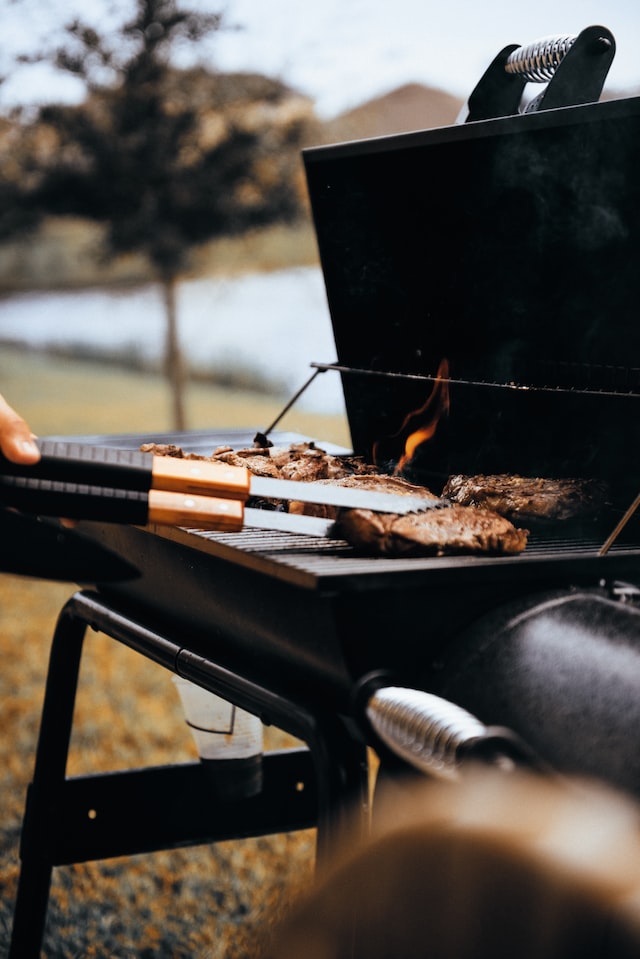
(269, 325)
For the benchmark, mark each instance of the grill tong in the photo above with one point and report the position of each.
(80, 481)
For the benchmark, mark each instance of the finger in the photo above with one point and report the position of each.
(16, 439)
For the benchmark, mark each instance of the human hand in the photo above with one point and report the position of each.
(16, 439)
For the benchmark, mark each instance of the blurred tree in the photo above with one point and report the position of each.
(18, 173)
(152, 154)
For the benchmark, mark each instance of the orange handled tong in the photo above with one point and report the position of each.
(81, 481)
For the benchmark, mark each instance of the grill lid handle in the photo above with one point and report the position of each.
(574, 67)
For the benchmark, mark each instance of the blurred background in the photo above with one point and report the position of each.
(154, 211)
(158, 269)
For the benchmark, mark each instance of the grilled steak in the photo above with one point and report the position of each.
(528, 499)
(445, 531)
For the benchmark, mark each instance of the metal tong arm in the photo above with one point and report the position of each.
(79, 481)
(132, 470)
(71, 480)
(575, 68)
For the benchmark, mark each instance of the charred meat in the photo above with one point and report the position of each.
(444, 531)
(527, 499)
(438, 532)
(447, 530)
(304, 462)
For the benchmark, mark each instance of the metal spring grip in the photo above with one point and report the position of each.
(538, 61)
(434, 735)
(574, 67)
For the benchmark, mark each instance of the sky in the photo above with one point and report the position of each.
(344, 52)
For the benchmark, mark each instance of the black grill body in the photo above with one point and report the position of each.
(563, 668)
(508, 248)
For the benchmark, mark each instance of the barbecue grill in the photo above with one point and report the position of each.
(507, 248)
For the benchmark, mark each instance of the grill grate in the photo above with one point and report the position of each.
(318, 563)
(275, 542)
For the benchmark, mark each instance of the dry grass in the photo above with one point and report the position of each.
(202, 902)
(209, 902)
(62, 396)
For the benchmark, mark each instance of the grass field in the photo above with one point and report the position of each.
(213, 902)
(61, 396)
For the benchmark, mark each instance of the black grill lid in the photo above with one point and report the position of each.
(510, 247)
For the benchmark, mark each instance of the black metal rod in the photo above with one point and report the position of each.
(294, 399)
(133, 811)
(92, 610)
(452, 381)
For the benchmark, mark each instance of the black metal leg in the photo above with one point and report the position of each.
(323, 785)
(342, 777)
(45, 791)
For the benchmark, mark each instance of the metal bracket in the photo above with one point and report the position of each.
(574, 68)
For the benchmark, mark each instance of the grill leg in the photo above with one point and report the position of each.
(45, 791)
(342, 777)
(338, 756)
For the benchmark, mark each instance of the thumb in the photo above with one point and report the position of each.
(16, 439)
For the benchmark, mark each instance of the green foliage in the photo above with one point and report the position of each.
(17, 213)
(164, 159)
(165, 171)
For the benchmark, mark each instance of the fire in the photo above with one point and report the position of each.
(436, 405)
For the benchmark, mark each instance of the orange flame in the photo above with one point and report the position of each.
(438, 399)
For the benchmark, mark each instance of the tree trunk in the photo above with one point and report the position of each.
(174, 361)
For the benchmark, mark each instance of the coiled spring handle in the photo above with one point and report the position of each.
(538, 61)
(574, 67)
(436, 736)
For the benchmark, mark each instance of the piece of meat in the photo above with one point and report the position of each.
(168, 449)
(252, 460)
(310, 466)
(303, 462)
(442, 531)
(528, 499)
(306, 462)
(377, 482)
(439, 532)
